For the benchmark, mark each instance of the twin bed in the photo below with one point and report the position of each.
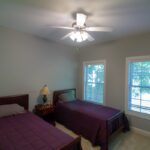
(25, 131)
(94, 122)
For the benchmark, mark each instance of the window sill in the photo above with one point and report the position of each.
(138, 114)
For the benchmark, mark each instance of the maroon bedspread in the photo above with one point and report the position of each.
(94, 122)
(28, 132)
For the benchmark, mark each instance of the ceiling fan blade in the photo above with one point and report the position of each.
(102, 29)
(67, 35)
(61, 27)
(80, 19)
(90, 38)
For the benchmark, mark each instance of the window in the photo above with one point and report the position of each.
(94, 73)
(138, 86)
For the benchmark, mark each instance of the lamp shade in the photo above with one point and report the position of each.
(44, 90)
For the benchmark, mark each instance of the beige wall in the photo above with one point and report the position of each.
(115, 54)
(27, 63)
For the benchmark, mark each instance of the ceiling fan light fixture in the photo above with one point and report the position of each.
(84, 35)
(80, 18)
(73, 36)
(79, 36)
(81, 31)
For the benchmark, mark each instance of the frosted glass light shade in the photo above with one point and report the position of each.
(79, 36)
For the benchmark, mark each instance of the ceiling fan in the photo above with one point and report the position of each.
(80, 30)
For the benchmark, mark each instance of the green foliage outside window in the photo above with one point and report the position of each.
(94, 84)
(139, 86)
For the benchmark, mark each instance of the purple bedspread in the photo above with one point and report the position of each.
(89, 120)
(29, 132)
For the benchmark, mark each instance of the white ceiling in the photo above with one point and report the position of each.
(126, 17)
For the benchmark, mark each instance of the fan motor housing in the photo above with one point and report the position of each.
(74, 25)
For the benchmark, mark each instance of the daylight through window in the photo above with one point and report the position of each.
(139, 86)
(94, 81)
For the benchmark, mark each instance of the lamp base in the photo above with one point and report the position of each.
(44, 98)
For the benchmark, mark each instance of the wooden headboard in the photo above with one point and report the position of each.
(59, 92)
(22, 100)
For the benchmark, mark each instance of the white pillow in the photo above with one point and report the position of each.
(10, 109)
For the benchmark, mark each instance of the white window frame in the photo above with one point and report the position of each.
(131, 112)
(83, 77)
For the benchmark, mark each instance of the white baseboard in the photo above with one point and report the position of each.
(140, 131)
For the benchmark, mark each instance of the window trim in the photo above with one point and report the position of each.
(131, 112)
(83, 77)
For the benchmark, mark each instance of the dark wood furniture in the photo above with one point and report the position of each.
(73, 114)
(28, 123)
(56, 94)
(46, 112)
(22, 100)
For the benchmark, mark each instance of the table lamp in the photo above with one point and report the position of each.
(44, 92)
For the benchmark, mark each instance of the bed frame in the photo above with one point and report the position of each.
(56, 99)
(114, 120)
(56, 94)
(22, 100)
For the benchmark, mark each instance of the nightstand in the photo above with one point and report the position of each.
(46, 111)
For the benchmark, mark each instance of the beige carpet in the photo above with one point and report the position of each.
(122, 141)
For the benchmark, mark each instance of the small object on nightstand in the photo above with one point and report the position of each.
(46, 111)
(44, 92)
